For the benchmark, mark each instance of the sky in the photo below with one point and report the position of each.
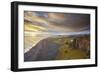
(56, 22)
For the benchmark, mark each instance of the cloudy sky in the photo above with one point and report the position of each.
(56, 22)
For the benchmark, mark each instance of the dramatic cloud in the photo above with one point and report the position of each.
(60, 22)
